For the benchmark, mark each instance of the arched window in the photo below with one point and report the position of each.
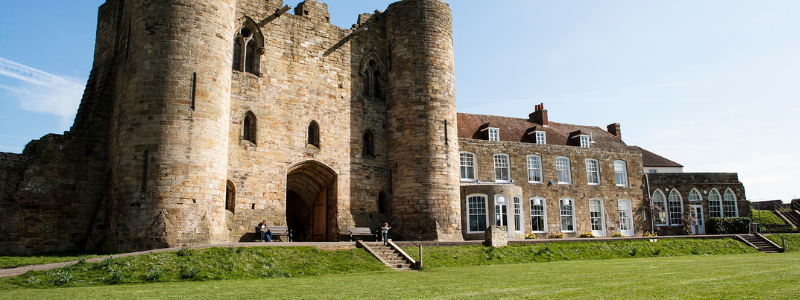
(313, 134)
(382, 205)
(230, 196)
(714, 204)
(659, 208)
(245, 50)
(675, 208)
(729, 202)
(368, 149)
(373, 79)
(249, 127)
(694, 195)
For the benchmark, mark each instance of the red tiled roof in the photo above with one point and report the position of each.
(514, 129)
(650, 159)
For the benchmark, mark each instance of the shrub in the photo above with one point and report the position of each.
(531, 236)
(60, 277)
(154, 274)
(81, 260)
(185, 251)
(728, 225)
(188, 272)
(556, 235)
(587, 234)
(648, 233)
(114, 276)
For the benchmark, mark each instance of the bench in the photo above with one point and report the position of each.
(361, 231)
(277, 231)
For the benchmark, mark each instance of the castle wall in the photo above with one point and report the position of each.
(578, 190)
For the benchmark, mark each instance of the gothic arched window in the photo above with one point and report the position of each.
(249, 127)
(373, 79)
(245, 48)
(313, 134)
(230, 196)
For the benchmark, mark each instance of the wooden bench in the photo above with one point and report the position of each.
(361, 231)
(277, 231)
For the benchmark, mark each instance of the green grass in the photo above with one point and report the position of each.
(767, 217)
(757, 275)
(203, 265)
(792, 240)
(435, 257)
(21, 261)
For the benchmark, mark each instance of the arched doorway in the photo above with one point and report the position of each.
(311, 202)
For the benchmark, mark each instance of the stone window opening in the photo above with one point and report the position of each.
(249, 127)
(313, 134)
(382, 205)
(373, 79)
(368, 150)
(230, 196)
(246, 50)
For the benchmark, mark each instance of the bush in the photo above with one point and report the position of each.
(728, 225)
(185, 251)
(531, 236)
(587, 234)
(154, 274)
(557, 235)
(60, 277)
(619, 234)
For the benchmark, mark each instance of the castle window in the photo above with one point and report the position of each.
(476, 213)
(540, 138)
(245, 48)
(368, 149)
(249, 127)
(621, 172)
(659, 208)
(502, 170)
(694, 195)
(230, 196)
(567, 211)
(494, 134)
(538, 220)
(592, 172)
(729, 201)
(562, 170)
(382, 203)
(373, 80)
(675, 208)
(714, 204)
(534, 168)
(313, 134)
(467, 164)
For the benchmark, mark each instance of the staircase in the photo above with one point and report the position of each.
(391, 255)
(760, 243)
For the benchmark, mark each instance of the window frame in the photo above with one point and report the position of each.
(470, 214)
(621, 175)
(675, 215)
(494, 134)
(656, 215)
(473, 167)
(584, 141)
(694, 191)
(714, 192)
(500, 168)
(518, 213)
(540, 137)
(588, 162)
(601, 216)
(567, 172)
(537, 159)
(725, 205)
(571, 215)
(543, 215)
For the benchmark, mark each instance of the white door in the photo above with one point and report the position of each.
(625, 221)
(698, 227)
(501, 213)
(596, 217)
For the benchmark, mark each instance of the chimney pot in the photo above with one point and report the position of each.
(539, 115)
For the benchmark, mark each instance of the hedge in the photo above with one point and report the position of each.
(728, 225)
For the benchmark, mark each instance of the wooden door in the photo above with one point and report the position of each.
(320, 220)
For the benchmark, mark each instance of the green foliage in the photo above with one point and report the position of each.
(728, 225)
(185, 251)
(60, 276)
(767, 217)
(791, 241)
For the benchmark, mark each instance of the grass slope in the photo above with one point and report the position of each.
(758, 275)
(21, 261)
(792, 240)
(767, 217)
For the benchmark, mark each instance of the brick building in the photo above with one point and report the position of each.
(202, 118)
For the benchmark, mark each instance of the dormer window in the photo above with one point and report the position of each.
(585, 141)
(540, 138)
(494, 134)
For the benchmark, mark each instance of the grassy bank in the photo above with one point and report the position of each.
(436, 257)
(766, 217)
(28, 260)
(757, 275)
(792, 240)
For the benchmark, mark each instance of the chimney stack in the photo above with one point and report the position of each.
(614, 129)
(539, 116)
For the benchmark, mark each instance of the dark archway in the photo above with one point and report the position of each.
(311, 202)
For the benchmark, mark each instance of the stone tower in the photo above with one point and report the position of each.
(170, 121)
(423, 143)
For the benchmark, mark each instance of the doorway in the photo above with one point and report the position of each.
(501, 212)
(698, 226)
(311, 202)
(625, 221)
(596, 217)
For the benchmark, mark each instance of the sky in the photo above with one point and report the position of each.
(712, 85)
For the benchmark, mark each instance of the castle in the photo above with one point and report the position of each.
(201, 118)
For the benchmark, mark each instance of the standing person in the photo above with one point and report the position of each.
(385, 232)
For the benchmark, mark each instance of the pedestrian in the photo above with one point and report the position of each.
(385, 232)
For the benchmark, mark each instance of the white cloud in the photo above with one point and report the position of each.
(42, 92)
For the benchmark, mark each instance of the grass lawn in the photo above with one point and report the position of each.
(21, 261)
(757, 275)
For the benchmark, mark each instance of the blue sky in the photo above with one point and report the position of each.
(712, 85)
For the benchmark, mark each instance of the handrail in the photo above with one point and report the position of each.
(407, 239)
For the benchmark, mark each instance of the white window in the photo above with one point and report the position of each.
(625, 221)
(729, 201)
(540, 137)
(538, 219)
(502, 169)
(501, 210)
(476, 211)
(567, 215)
(659, 208)
(621, 172)
(675, 208)
(562, 170)
(517, 213)
(585, 141)
(714, 204)
(694, 195)
(467, 162)
(494, 134)
(534, 168)
(596, 217)
(592, 172)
